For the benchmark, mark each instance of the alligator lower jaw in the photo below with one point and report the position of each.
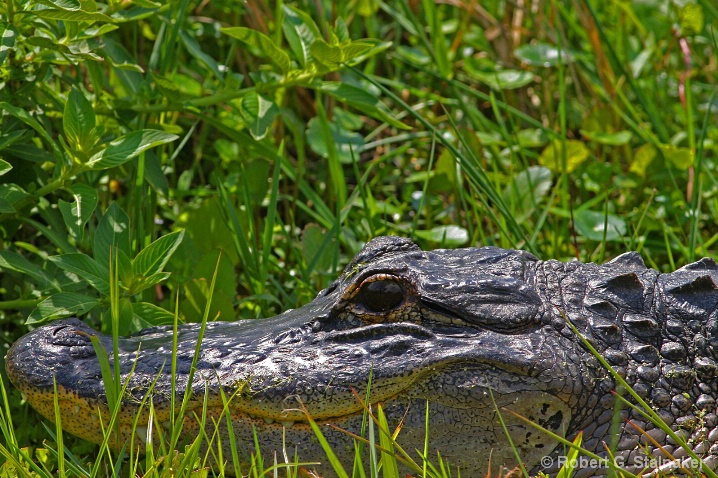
(87, 418)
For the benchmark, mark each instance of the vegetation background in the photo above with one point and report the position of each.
(285, 135)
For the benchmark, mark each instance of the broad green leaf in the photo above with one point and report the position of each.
(445, 236)
(153, 258)
(347, 143)
(4, 167)
(141, 283)
(259, 113)
(86, 268)
(6, 207)
(692, 19)
(642, 158)
(526, 190)
(124, 64)
(69, 16)
(502, 79)
(268, 49)
(8, 34)
(489, 138)
(531, 138)
(329, 57)
(77, 214)
(124, 267)
(680, 158)
(152, 313)
(62, 304)
(542, 54)
(25, 117)
(154, 174)
(13, 261)
(128, 146)
(300, 32)
(90, 5)
(68, 5)
(552, 156)
(361, 100)
(341, 31)
(113, 231)
(592, 224)
(134, 14)
(12, 193)
(48, 44)
(617, 138)
(11, 137)
(353, 52)
(194, 49)
(78, 121)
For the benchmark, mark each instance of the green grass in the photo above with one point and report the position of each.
(282, 136)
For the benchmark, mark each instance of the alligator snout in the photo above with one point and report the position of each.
(47, 352)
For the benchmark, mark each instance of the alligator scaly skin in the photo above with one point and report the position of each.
(447, 329)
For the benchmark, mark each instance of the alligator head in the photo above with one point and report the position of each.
(468, 333)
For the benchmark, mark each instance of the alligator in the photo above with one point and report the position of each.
(473, 335)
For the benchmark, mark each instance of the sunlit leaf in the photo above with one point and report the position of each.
(445, 236)
(153, 258)
(13, 261)
(62, 304)
(70, 16)
(78, 121)
(86, 268)
(617, 138)
(553, 155)
(4, 167)
(502, 79)
(642, 158)
(259, 113)
(77, 214)
(680, 158)
(265, 45)
(347, 143)
(542, 54)
(7, 39)
(113, 232)
(128, 146)
(593, 225)
(692, 19)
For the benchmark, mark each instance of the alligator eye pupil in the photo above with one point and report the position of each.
(381, 295)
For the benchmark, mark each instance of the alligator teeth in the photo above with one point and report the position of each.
(629, 280)
(288, 424)
(268, 420)
(693, 284)
(632, 260)
(626, 288)
(705, 264)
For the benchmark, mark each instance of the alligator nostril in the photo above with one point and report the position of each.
(58, 329)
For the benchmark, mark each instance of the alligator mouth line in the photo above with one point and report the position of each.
(89, 419)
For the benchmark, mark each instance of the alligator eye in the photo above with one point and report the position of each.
(381, 295)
